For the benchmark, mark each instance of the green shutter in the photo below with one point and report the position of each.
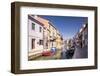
(33, 26)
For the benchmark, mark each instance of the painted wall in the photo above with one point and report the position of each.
(35, 34)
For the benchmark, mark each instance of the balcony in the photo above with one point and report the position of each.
(53, 38)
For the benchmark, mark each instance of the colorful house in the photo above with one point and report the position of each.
(42, 35)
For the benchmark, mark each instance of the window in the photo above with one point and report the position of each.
(33, 26)
(40, 29)
(41, 42)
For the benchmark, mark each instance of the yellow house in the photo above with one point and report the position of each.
(53, 32)
(59, 41)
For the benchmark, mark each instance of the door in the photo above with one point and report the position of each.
(33, 43)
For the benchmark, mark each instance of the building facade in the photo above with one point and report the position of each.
(81, 38)
(46, 32)
(52, 37)
(42, 35)
(35, 35)
(85, 35)
(53, 34)
(59, 41)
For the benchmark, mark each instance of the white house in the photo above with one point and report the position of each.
(35, 35)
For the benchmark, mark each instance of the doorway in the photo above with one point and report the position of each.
(33, 43)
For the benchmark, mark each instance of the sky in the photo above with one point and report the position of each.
(67, 25)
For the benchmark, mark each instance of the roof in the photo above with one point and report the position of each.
(33, 19)
(41, 20)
